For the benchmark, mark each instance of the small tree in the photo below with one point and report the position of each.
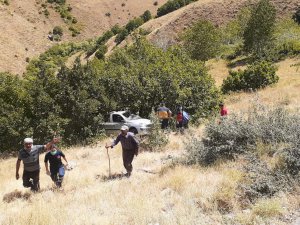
(258, 35)
(100, 54)
(156, 139)
(202, 41)
(146, 16)
(57, 30)
(116, 29)
(134, 23)
(258, 75)
(121, 36)
(296, 16)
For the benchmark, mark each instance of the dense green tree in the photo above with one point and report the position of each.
(133, 24)
(146, 16)
(13, 119)
(202, 41)
(121, 36)
(140, 77)
(258, 35)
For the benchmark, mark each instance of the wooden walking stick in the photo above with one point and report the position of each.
(108, 161)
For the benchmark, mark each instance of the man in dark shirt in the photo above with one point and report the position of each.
(57, 169)
(130, 147)
(30, 157)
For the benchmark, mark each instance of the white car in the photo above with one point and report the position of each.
(136, 124)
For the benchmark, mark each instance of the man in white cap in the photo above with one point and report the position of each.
(30, 157)
(130, 147)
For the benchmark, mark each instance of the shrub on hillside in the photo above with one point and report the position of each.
(257, 75)
(100, 54)
(296, 16)
(121, 36)
(134, 23)
(146, 16)
(104, 38)
(116, 29)
(57, 30)
(241, 133)
(287, 35)
(156, 139)
(172, 5)
(258, 34)
(202, 41)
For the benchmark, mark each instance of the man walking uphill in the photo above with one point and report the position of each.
(30, 157)
(130, 147)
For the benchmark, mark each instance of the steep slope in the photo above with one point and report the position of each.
(24, 27)
(165, 30)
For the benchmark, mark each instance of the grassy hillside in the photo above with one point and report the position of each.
(157, 193)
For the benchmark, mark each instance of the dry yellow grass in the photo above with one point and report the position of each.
(286, 92)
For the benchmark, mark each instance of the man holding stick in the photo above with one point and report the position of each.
(130, 147)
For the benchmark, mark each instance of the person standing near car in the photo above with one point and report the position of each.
(29, 154)
(164, 114)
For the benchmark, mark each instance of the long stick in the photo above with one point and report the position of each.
(108, 162)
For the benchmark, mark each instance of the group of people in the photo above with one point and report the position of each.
(30, 153)
(165, 114)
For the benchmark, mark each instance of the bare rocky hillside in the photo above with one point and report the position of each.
(24, 27)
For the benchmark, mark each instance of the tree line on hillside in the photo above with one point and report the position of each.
(73, 102)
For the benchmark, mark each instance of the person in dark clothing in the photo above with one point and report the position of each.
(30, 157)
(130, 147)
(57, 169)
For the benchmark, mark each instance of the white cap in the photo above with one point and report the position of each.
(124, 128)
(28, 140)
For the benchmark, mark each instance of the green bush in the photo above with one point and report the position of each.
(57, 30)
(156, 139)
(100, 54)
(116, 29)
(241, 133)
(257, 75)
(133, 24)
(146, 16)
(75, 31)
(104, 38)
(202, 41)
(14, 121)
(296, 16)
(122, 35)
(258, 34)
(287, 35)
(172, 5)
